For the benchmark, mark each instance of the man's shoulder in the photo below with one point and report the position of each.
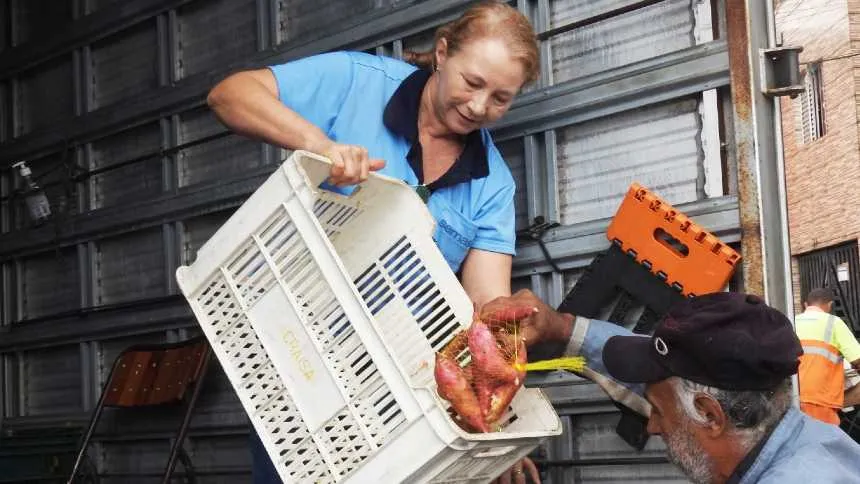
(811, 316)
(819, 452)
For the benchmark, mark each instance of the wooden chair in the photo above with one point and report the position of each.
(147, 375)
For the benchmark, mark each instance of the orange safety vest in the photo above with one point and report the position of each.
(821, 374)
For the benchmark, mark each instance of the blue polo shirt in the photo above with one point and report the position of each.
(372, 101)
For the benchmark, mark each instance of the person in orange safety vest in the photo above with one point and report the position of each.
(826, 341)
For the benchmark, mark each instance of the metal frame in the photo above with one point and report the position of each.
(758, 141)
(176, 449)
(662, 78)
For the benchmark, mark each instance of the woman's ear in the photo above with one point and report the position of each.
(440, 53)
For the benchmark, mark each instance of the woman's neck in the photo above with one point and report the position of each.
(429, 123)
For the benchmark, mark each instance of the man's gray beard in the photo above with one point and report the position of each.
(687, 454)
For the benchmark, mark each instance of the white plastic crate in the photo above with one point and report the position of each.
(325, 312)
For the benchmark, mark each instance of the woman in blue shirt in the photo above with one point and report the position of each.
(420, 121)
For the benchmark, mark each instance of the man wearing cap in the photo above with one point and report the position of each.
(714, 381)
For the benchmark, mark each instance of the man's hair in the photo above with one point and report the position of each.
(752, 414)
(819, 296)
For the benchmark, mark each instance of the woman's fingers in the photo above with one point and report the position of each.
(353, 156)
(337, 165)
(351, 164)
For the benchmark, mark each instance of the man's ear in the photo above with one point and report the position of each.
(716, 420)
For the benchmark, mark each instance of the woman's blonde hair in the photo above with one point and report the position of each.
(486, 19)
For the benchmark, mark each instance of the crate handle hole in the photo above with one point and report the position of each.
(671, 243)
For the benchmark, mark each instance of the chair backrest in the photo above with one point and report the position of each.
(146, 375)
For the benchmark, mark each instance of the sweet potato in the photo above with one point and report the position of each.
(487, 357)
(453, 385)
(502, 394)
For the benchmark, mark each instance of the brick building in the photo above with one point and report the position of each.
(822, 147)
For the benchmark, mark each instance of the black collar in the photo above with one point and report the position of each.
(401, 118)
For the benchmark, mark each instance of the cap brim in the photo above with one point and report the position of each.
(628, 359)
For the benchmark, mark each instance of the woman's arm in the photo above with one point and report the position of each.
(486, 275)
(247, 102)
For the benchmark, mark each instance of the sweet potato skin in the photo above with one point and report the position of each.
(501, 396)
(487, 356)
(453, 385)
(480, 392)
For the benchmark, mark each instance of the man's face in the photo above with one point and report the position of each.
(679, 432)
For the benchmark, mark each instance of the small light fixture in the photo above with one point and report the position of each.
(37, 202)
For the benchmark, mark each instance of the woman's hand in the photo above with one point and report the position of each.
(350, 163)
(517, 473)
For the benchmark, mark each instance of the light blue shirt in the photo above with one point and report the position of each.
(800, 449)
(346, 94)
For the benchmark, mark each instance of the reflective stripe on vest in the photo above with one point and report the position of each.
(828, 329)
(815, 350)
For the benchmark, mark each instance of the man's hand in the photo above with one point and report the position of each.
(545, 325)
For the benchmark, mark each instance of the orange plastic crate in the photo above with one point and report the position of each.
(670, 245)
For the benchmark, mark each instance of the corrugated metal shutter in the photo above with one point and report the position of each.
(110, 116)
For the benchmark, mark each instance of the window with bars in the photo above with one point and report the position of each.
(809, 106)
(838, 268)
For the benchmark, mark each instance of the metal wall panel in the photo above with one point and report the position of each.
(220, 158)
(641, 34)
(50, 283)
(126, 183)
(594, 437)
(6, 209)
(96, 5)
(5, 26)
(44, 95)
(197, 231)
(630, 473)
(420, 42)
(5, 111)
(133, 456)
(223, 455)
(35, 19)
(130, 267)
(218, 459)
(513, 152)
(657, 146)
(51, 381)
(124, 65)
(299, 18)
(215, 33)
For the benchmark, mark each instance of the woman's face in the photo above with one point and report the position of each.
(476, 84)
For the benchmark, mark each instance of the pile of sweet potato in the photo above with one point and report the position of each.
(480, 371)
